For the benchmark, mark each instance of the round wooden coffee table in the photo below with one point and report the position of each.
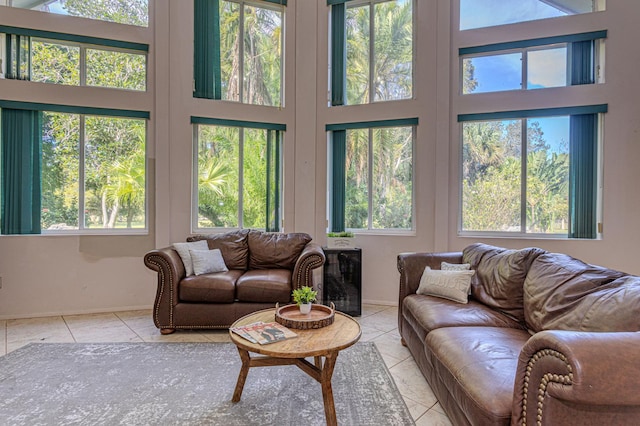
(323, 344)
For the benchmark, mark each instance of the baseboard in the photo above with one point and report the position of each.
(379, 302)
(76, 312)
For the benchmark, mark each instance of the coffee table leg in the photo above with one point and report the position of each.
(242, 377)
(327, 391)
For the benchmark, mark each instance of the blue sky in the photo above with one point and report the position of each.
(486, 13)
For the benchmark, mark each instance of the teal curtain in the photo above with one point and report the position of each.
(583, 175)
(581, 62)
(21, 152)
(206, 50)
(18, 57)
(338, 179)
(273, 181)
(338, 54)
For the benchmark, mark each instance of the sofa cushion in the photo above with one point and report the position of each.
(564, 293)
(500, 275)
(427, 313)
(448, 284)
(270, 285)
(478, 365)
(233, 246)
(219, 287)
(269, 250)
(207, 261)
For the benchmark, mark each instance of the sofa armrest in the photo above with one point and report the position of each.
(167, 263)
(584, 377)
(411, 266)
(312, 257)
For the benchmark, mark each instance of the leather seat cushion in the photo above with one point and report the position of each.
(272, 250)
(219, 287)
(264, 285)
(427, 313)
(478, 367)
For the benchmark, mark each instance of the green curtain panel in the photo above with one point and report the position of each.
(338, 179)
(583, 175)
(206, 50)
(338, 54)
(21, 152)
(273, 181)
(581, 62)
(18, 57)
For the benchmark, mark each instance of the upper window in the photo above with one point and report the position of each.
(374, 165)
(237, 174)
(488, 13)
(533, 64)
(79, 62)
(86, 173)
(536, 175)
(376, 38)
(238, 51)
(131, 12)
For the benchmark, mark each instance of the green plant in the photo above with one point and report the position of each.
(344, 234)
(304, 294)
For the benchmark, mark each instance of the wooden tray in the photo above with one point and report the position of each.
(320, 316)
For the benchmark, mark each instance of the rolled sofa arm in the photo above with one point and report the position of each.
(167, 263)
(312, 257)
(579, 377)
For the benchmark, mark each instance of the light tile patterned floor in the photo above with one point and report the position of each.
(379, 325)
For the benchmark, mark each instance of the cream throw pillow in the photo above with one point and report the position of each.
(183, 251)
(452, 285)
(445, 266)
(207, 261)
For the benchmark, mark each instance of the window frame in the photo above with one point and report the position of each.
(523, 116)
(280, 129)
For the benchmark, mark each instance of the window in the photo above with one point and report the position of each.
(89, 172)
(237, 174)
(74, 62)
(131, 12)
(536, 174)
(533, 64)
(372, 175)
(376, 38)
(238, 51)
(488, 13)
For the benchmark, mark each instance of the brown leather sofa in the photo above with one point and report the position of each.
(544, 339)
(263, 268)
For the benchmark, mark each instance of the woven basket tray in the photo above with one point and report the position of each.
(320, 316)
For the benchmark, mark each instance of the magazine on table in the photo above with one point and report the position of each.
(264, 332)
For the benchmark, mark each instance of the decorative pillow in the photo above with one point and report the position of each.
(207, 261)
(446, 266)
(452, 285)
(183, 251)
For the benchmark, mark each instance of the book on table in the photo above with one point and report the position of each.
(264, 332)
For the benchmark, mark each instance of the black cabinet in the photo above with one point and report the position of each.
(342, 280)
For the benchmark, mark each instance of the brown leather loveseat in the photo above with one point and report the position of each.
(259, 270)
(543, 339)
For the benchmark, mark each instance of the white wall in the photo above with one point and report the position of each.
(49, 275)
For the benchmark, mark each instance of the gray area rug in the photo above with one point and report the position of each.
(186, 384)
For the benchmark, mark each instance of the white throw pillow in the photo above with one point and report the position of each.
(207, 261)
(183, 251)
(446, 266)
(452, 285)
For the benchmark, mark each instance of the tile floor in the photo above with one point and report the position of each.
(379, 325)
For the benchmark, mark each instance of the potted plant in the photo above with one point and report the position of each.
(304, 297)
(341, 240)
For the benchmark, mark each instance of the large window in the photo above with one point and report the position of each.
(488, 13)
(73, 60)
(131, 12)
(376, 38)
(533, 64)
(371, 177)
(532, 175)
(87, 172)
(237, 174)
(238, 51)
